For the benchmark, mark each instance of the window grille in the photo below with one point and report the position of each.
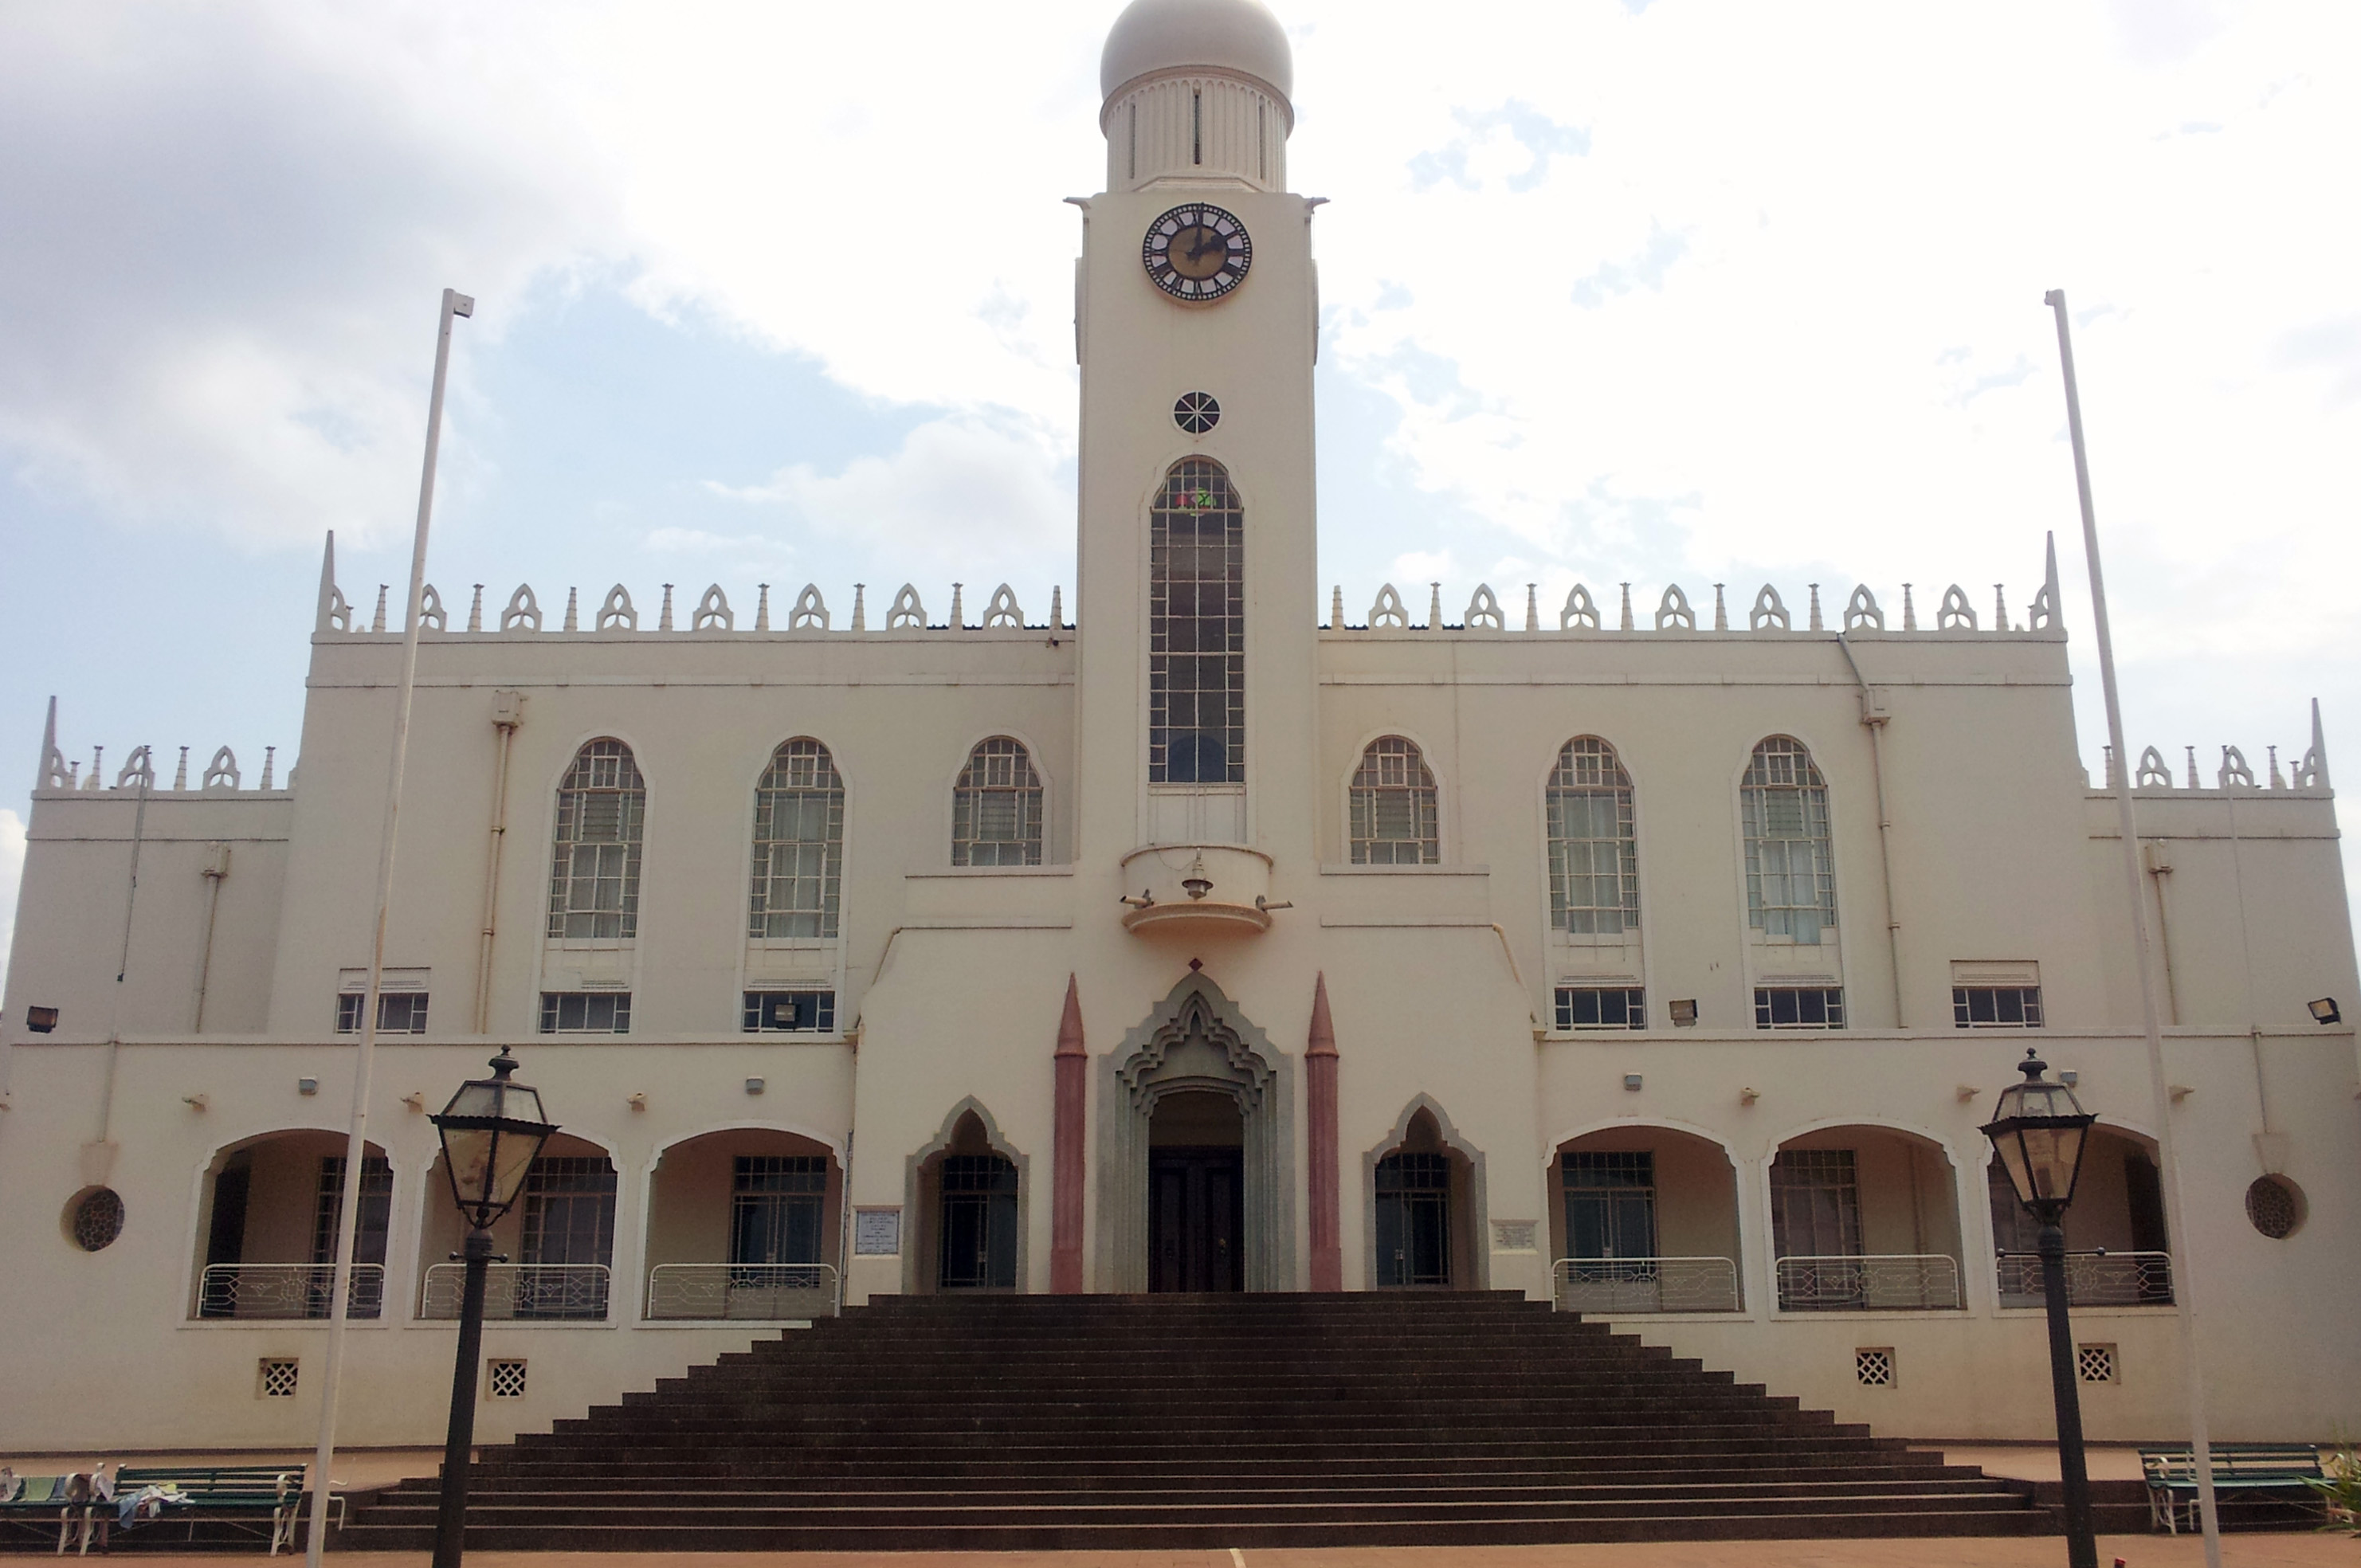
(1799, 1007)
(1791, 887)
(2271, 1207)
(1611, 1203)
(98, 1219)
(569, 1217)
(1414, 1215)
(979, 1223)
(798, 844)
(594, 877)
(275, 1378)
(376, 1214)
(586, 1012)
(1393, 806)
(996, 807)
(2094, 1363)
(1873, 1369)
(1196, 628)
(1815, 1204)
(1597, 1007)
(776, 1209)
(1996, 1006)
(398, 1011)
(504, 1379)
(788, 1012)
(1594, 857)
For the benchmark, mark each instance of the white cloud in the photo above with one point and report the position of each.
(12, 872)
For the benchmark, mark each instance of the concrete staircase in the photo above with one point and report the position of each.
(1040, 1423)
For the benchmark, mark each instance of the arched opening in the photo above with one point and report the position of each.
(1646, 1221)
(2117, 1254)
(1424, 1213)
(559, 1238)
(267, 1229)
(1864, 1219)
(1196, 1193)
(971, 1212)
(743, 1224)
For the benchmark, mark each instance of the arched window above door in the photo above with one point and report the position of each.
(996, 807)
(1393, 810)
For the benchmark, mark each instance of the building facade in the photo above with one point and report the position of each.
(1660, 961)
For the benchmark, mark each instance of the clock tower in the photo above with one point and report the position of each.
(1195, 320)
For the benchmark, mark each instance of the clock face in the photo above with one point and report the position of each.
(1197, 252)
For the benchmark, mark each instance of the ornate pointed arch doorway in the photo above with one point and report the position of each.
(1199, 1152)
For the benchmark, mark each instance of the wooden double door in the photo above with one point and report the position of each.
(1196, 1219)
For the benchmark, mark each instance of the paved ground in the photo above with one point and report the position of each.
(2131, 1550)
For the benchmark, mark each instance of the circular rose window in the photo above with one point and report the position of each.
(95, 1218)
(2275, 1204)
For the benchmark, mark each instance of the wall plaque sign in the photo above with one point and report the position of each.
(876, 1233)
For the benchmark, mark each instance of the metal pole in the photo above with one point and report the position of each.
(2081, 1544)
(348, 1208)
(2185, 1271)
(459, 1442)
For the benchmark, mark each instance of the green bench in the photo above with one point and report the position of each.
(2242, 1467)
(266, 1498)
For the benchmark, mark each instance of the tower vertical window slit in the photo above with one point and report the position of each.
(1196, 628)
(1196, 124)
(1132, 136)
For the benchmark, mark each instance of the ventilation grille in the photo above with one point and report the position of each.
(1873, 1369)
(275, 1378)
(2095, 1362)
(504, 1379)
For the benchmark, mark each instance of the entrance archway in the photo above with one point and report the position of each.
(1196, 1048)
(1196, 1193)
(1425, 1191)
(967, 1193)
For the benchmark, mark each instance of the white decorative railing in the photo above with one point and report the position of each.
(526, 1291)
(287, 1290)
(2094, 1278)
(1876, 1282)
(763, 1292)
(1611, 1286)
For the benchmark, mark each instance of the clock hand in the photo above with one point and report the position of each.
(1212, 241)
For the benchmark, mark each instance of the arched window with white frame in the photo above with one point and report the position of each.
(1791, 884)
(1393, 812)
(799, 844)
(594, 875)
(996, 806)
(1594, 856)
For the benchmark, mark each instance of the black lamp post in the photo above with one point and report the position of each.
(2040, 1134)
(491, 1131)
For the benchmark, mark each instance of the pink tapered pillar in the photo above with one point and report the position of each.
(1066, 1178)
(1319, 1083)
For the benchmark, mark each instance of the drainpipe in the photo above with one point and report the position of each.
(215, 868)
(508, 712)
(1875, 717)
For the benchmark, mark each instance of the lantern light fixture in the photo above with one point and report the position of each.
(492, 1131)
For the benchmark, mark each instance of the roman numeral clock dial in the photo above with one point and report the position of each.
(1197, 253)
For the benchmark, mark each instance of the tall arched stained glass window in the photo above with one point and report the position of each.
(1594, 857)
(1196, 628)
(996, 807)
(1791, 884)
(594, 873)
(1393, 816)
(798, 844)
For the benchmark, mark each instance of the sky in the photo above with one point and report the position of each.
(1612, 290)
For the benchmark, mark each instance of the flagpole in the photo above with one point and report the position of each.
(348, 1209)
(2185, 1272)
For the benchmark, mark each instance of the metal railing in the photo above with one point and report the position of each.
(1612, 1285)
(287, 1290)
(526, 1292)
(2095, 1278)
(765, 1292)
(1876, 1282)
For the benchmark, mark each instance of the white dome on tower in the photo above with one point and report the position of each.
(1232, 37)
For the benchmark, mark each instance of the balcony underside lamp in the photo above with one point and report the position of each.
(2040, 1134)
(492, 1132)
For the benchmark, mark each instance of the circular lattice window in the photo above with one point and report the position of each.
(95, 1218)
(1196, 412)
(2275, 1204)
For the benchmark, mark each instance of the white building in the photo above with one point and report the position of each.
(1688, 942)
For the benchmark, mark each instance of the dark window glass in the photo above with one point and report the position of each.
(1799, 1007)
(1610, 1204)
(788, 1012)
(1413, 1219)
(979, 1223)
(775, 1208)
(1996, 1006)
(398, 1011)
(1596, 1007)
(1196, 628)
(586, 1012)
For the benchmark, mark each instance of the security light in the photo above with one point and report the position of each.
(2323, 1011)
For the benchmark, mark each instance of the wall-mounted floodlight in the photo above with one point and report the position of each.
(2323, 1011)
(1685, 1014)
(1632, 1080)
(42, 1020)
